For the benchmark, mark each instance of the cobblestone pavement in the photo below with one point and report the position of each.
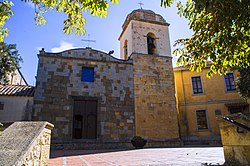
(141, 157)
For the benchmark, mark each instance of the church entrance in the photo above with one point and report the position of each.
(85, 119)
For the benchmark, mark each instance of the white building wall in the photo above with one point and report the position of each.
(16, 78)
(127, 35)
(15, 108)
(136, 34)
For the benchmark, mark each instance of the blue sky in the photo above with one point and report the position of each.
(31, 38)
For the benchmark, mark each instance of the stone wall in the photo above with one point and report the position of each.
(26, 143)
(59, 82)
(155, 109)
(236, 141)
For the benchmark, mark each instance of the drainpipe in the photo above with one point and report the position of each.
(184, 96)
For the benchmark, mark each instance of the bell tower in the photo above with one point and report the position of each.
(144, 32)
(145, 40)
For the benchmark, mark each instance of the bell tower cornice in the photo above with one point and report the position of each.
(143, 16)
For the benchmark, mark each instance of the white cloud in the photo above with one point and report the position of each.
(63, 46)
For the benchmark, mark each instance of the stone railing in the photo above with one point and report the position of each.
(236, 139)
(26, 143)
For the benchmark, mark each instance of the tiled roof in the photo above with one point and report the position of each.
(16, 90)
(236, 104)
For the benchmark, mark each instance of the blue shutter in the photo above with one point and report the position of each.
(87, 74)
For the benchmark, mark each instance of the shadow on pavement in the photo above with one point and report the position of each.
(65, 153)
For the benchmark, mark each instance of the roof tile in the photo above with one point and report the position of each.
(17, 90)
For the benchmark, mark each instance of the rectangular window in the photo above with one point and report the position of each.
(201, 119)
(197, 86)
(1, 106)
(229, 81)
(217, 112)
(87, 74)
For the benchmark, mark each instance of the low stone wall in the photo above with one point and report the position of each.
(89, 145)
(82, 144)
(236, 141)
(172, 143)
(26, 143)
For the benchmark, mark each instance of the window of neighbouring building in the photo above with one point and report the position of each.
(197, 85)
(88, 74)
(229, 82)
(217, 112)
(201, 119)
(1, 106)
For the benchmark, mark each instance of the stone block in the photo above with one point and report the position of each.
(236, 140)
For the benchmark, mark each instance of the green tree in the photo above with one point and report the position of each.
(221, 34)
(9, 61)
(243, 83)
(5, 14)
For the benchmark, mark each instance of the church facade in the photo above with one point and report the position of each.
(95, 99)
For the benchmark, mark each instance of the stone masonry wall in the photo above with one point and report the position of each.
(236, 140)
(155, 109)
(26, 143)
(59, 81)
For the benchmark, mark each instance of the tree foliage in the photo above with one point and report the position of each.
(9, 61)
(5, 14)
(73, 9)
(243, 82)
(221, 34)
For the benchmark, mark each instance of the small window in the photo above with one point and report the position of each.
(217, 112)
(229, 81)
(197, 86)
(125, 49)
(1, 106)
(87, 74)
(201, 119)
(151, 43)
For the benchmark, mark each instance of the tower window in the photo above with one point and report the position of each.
(125, 47)
(151, 43)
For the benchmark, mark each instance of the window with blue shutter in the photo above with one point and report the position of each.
(87, 74)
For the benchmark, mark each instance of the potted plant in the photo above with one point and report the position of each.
(138, 142)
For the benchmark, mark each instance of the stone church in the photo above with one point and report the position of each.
(98, 101)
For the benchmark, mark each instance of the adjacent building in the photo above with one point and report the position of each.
(16, 102)
(201, 99)
(16, 99)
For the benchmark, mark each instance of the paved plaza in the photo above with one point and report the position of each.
(141, 157)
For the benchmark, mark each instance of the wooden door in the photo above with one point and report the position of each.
(78, 126)
(85, 113)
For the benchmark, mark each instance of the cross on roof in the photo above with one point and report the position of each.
(88, 40)
(140, 4)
